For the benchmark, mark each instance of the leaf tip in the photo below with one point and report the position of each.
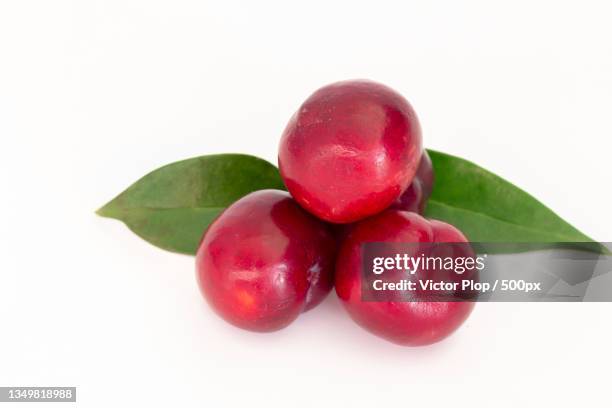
(105, 211)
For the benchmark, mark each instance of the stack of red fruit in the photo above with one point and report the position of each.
(352, 160)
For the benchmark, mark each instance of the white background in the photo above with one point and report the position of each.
(94, 94)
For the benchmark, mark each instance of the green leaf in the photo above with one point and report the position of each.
(488, 208)
(172, 206)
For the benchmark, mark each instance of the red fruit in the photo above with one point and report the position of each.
(265, 260)
(350, 150)
(416, 195)
(409, 323)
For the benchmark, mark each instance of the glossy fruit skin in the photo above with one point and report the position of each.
(350, 150)
(412, 323)
(264, 261)
(415, 197)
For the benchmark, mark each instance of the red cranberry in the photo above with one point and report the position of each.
(264, 260)
(416, 195)
(350, 150)
(411, 323)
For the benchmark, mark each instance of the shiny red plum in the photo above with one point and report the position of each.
(264, 261)
(415, 197)
(350, 150)
(410, 323)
